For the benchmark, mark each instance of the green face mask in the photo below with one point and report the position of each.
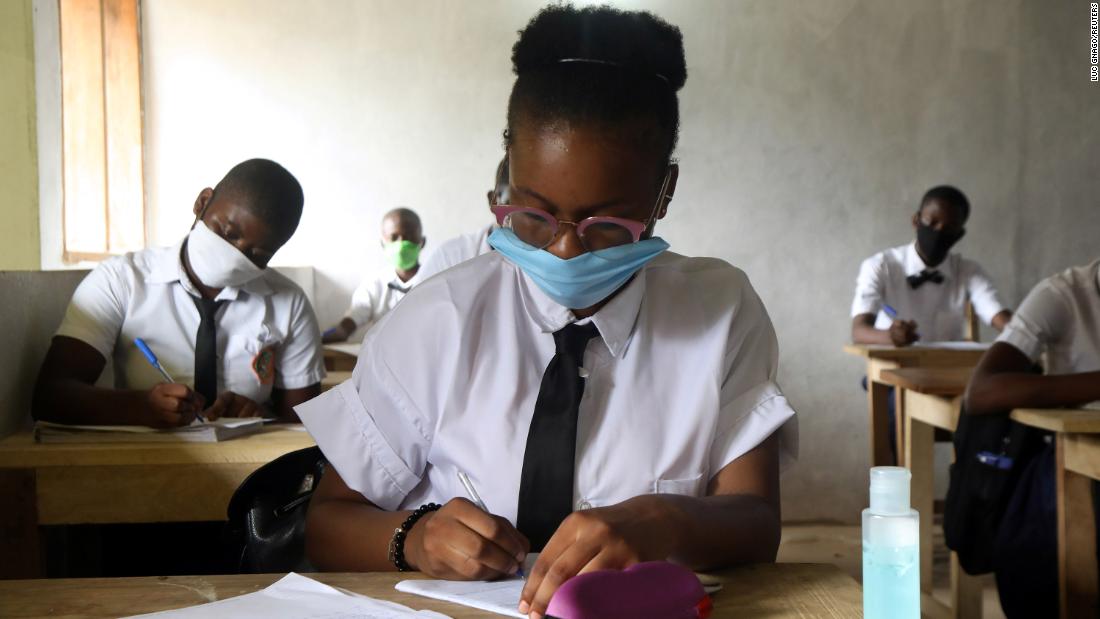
(402, 254)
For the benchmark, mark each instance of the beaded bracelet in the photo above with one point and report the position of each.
(397, 542)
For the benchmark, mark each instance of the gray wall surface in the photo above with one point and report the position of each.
(809, 132)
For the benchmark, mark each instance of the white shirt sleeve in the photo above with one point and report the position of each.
(983, 295)
(300, 363)
(98, 309)
(870, 286)
(752, 407)
(363, 303)
(1041, 319)
(371, 431)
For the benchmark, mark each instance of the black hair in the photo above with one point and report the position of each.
(951, 196)
(405, 215)
(599, 65)
(268, 190)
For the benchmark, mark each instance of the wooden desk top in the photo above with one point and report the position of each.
(1069, 421)
(934, 381)
(19, 451)
(347, 349)
(963, 350)
(333, 378)
(799, 590)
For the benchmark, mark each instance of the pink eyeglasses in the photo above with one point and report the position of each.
(539, 228)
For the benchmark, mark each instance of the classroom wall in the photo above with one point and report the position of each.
(18, 168)
(809, 131)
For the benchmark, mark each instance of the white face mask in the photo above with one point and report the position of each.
(216, 262)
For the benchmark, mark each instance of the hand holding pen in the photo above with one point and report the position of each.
(902, 332)
(173, 404)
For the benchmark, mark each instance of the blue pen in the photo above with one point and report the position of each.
(152, 359)
(891, 312)
(470, 490)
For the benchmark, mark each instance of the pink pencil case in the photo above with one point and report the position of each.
(654, 590)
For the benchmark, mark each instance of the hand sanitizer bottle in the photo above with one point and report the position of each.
(891, 548)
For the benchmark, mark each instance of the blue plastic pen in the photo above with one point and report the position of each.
(891, 312)
(152, 359)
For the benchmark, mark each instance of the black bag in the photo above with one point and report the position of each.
(991, 453)
(1025, 554)
(267, 514)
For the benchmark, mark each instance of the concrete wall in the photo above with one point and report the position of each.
(810, 129)
(18, 169)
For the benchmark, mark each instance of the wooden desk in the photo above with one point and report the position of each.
(929, 399)
(333, 378)
(799, 590)
(120, 482)
(341, 357)
(1077, 452)
(882, 358)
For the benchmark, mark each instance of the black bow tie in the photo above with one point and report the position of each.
(393, 286)
(916, 281)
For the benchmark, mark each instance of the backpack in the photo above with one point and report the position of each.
(991, 454)
(266, 531)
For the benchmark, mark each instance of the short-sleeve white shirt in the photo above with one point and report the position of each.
(377, 295)
(147, 294)
(938, 309)
(680, 382)
(1061, 317)
(456, 251)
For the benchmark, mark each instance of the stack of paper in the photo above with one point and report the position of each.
(298, 597)
(198, 432)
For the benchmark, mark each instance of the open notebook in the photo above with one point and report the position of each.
(198, 432)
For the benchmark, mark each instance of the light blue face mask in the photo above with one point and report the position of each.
(582, 281)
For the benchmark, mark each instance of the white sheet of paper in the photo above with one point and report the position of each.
(496, 596)
(297, 597)
(953, 345)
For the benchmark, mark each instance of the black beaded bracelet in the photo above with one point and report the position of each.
(397, 542)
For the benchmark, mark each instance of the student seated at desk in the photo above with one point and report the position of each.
(927, 286)
(471, 245)
(213, 314)
(402, 240)
(1059, 318)
(610, 401)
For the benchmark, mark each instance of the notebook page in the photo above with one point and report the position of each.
(297, 597)
(498, 596)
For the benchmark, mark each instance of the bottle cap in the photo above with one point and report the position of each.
(890, 490)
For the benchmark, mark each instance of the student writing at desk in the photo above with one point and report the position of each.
(1060, 318)
(924, 285)
(402, 240)
(612, 402)
(243, 335)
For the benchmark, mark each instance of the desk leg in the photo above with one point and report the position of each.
(20, 552)
(878, 395)
(918, 456)
(1077, 569)
(966, 592)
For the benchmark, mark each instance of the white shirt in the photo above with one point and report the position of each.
(456, 251)
(938, 309)
(680, 383)
(1061, 316)
(377, 295)
(147, 294)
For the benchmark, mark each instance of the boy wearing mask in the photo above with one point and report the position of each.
(926, 286)
(238, 338)
(402, 240)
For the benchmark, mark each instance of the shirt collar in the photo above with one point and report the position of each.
(914, 264)
(615, 321)
(165, 266)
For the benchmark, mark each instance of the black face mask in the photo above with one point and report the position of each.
(934, 244)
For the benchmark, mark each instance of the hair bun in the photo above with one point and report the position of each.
(637, 41)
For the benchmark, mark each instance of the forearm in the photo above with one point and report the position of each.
(351, 536)
(718, 531)
(340, 333)
(866, 334)
(72, 401)
(999, 392)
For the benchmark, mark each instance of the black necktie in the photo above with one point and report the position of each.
(206, 349)
(546, 483)
(916, 281)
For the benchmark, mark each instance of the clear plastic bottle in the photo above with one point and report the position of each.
(891, 548)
